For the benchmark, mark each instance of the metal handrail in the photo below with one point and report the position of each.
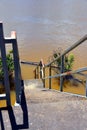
(30, 63)
(62, 62)
(40, 69)
(69, 49)
(68, 73)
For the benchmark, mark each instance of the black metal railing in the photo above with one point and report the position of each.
(17, 72)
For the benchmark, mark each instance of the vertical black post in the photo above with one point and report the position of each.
(44, 77)
(16, 68)
(50, 78)
(41, 68)
(86, 87)
(5, 68)
(62, 70)
(35, 73)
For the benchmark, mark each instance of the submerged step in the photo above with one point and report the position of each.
(33, 83)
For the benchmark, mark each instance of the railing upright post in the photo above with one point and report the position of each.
(41, 68)
(50, 78)
(35, 73)
(41, 71)
(62, 70)
(17, 69)
(4, 63)
(44, 77)
(86, 87)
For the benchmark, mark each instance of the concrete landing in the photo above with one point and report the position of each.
(46, 110)
(52, 110)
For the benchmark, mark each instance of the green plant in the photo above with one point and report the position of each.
(68, 60)
(68, 66)
(10, 64)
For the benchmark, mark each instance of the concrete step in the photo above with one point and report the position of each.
(33, 83)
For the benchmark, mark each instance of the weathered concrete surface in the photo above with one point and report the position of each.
(70, 115)
(48, 110)
(52, 110)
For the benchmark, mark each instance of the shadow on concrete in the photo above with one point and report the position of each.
(12, 116)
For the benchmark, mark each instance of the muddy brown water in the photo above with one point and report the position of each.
(43, 26)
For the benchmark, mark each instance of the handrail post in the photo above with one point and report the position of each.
(42, 72)
(62, 70)
(35, 73)
(4, 63)
(86, 86)
(17, 69)
(44, 77)
(50, 78)
(41, 68)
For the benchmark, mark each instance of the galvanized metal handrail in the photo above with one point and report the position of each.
(68, 73)
(69, 49)
(62, 73)
(30, 63)
(78, 71)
